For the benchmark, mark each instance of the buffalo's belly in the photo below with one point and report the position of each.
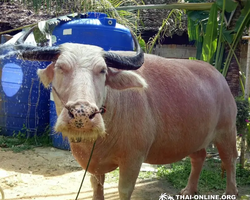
(162, 158)
(163, 152)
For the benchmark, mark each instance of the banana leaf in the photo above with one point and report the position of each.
(230, 5)
(242, 23)
(210, 38)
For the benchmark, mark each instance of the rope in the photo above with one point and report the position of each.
(2, 193)
(101, 111)
(85, 171)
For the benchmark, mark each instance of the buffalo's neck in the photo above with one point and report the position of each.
(127, 113)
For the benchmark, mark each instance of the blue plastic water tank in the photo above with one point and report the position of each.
(23, 101)
(95, 29)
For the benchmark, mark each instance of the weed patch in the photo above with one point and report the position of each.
(210, 178)
(114, 176)
(22, 141)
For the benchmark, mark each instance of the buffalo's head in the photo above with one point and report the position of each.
(79, 75)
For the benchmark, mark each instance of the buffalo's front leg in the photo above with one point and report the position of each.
(97, 182)
(128, 173)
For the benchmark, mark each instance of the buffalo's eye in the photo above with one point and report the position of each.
(59, 67)
(62, 66)
(103, 71)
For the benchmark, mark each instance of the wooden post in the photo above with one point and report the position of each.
(247, 67)
(246, 95)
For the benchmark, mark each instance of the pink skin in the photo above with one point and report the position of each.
(159, 114)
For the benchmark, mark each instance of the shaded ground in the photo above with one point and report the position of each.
(53, 174)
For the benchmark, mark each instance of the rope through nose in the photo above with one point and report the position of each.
(102, 110)
(64, 104)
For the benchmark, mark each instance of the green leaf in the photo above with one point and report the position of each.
(229, 6)
(210, 38)
(245, 22)
(39, 36)
(244, 12)
(246, 8)
(191, 29)
(239, 23)
(197, 15)
(244, 197)
(199, 50)
(142, 44)
(221, 44)
(48, 4)
(228, 35)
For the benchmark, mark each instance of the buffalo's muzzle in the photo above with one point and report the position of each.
(82, 114)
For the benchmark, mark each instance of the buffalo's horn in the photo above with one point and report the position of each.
(126, 62)
(29, 52)
(40, 54)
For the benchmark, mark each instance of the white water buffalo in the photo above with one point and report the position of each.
(161, 112)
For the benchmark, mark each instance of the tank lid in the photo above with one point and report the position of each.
(90, 18)
(96, 15)
(103, 18)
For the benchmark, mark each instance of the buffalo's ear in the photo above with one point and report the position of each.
(46, 75)
(121, 80)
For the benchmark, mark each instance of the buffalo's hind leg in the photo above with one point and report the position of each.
(97, 182)
(228, 154)
(197, 160)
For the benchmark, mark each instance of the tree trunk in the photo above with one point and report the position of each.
(243, 138)
(233, 80)
(232, 76)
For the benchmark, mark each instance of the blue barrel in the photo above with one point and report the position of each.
(95, 29)
(24, 102)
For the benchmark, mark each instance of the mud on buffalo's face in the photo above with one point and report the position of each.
(79, 75)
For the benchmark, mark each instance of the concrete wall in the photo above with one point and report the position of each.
(175, 51)
(184, 52)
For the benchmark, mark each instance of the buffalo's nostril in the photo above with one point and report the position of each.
(70, 114)
(92, 116)
(80, 111)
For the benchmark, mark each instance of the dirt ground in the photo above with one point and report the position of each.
(53, 174)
